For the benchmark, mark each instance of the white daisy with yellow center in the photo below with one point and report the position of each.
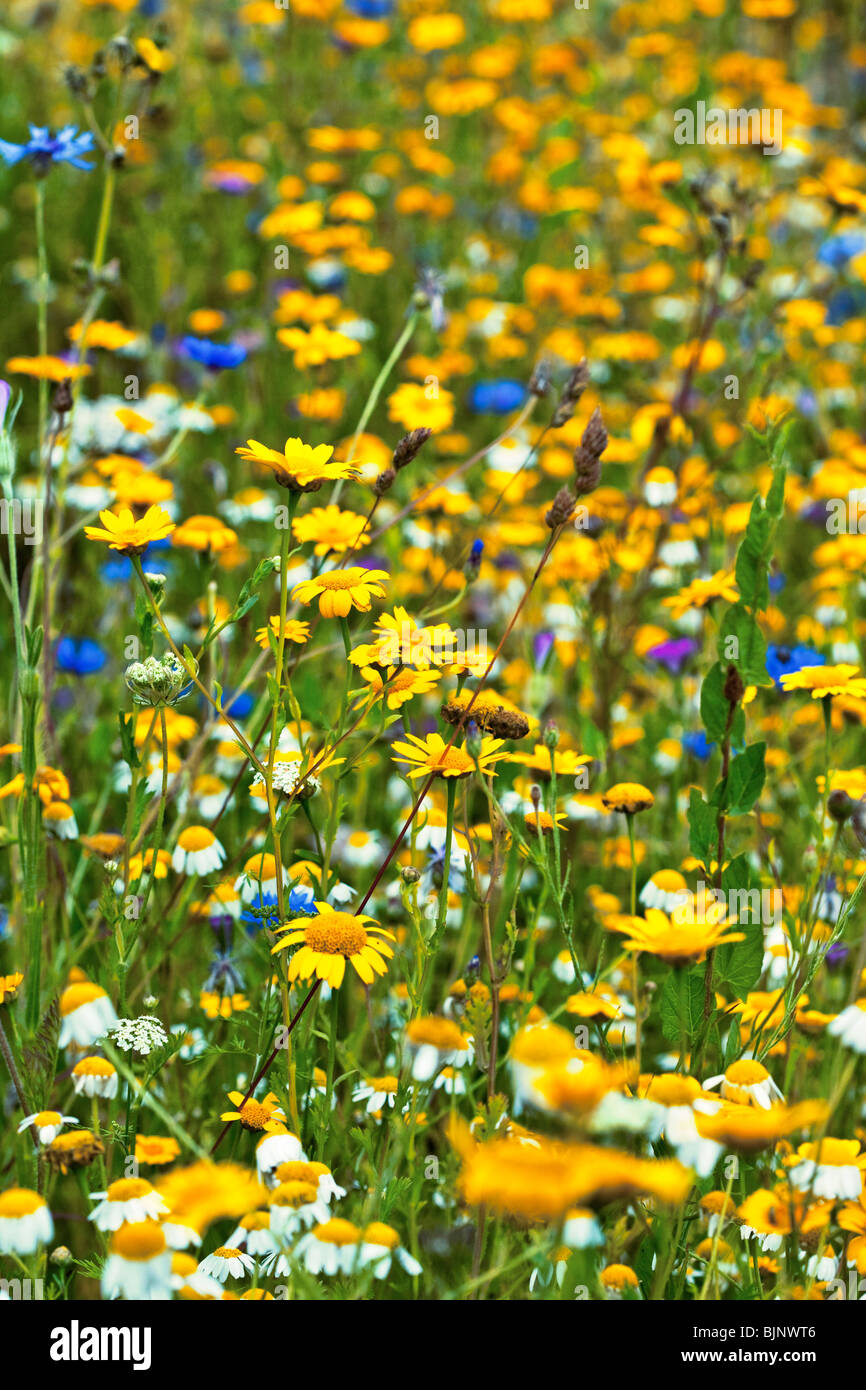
(295, 1206)
(138, 1266)
(47, 1124)
(59, 819)
(25, 1221)
(127, 1200)
(330, 1248)
(198, 851)
(747, 1082)
(94, 1076)
(377, 1092)
(830, 1168)
(225, 1262)
(380, 1248)
(327, 1187)
(254, 1234)
(259, 875)
(276, 1148)
(581, 1229)
(664, 890)
(86, 1014)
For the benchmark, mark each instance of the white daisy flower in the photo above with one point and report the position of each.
(86, 1013)
(747, 1082)
(226, 1261)
(198, 851)
(830, 1168)
(138, 1266)
(25, 1221)
(127, 1200)
(850, 1026)
(47, 1123)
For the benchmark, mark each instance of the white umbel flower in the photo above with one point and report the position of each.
(142, 1035)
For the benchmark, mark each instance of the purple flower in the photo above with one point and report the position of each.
(837, 955)
(5, 393)
(541, 645)
(674, 654)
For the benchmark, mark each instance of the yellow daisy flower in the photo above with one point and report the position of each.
(330, 529)
(293, 631)
(123, 532)
(339, 591)
(266, 1114)
(432, 755)
(825, 680)
(301, 467)
(398, 684)
(329, 940)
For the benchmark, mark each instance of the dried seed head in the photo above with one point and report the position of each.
(560, 511)
(587, 455)
(587, 471)
(539, 382)
(594, 438)
(384, 481)
(409, 447)
(498, 720)
(571, 394)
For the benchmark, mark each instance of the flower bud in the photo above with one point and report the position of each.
(156, 682)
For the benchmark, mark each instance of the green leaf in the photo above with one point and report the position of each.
(682, 1004)
(126, 723)
(702, 827)
(739, 965)
(746, 780)
(714, 706)
(742, 643)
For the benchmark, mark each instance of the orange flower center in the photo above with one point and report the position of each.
(254, 1115)
(339, 934)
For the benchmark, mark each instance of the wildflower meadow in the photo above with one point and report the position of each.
(432, 762)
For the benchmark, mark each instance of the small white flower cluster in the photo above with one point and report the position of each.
(142, 1035)
(286, 778)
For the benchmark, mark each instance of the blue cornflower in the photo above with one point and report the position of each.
(238, 704)
(263, 910)
(696, 743)
(44, 149)
(497, 397)
(837, 251)
(473, 565)
(844, 305)
(217, 357)
(783, 661)
(79, 656)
